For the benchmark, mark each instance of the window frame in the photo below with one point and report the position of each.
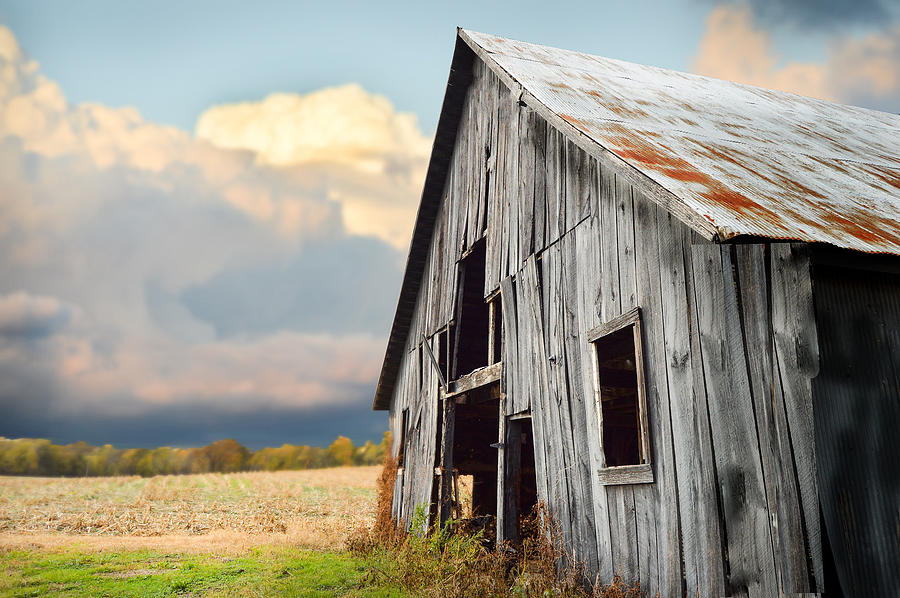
(641, 473)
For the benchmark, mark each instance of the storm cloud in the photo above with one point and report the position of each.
(29, 316)
(822, 14)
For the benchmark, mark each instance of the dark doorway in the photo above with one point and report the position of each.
(520, 487)
(473, 454)
(468, 470)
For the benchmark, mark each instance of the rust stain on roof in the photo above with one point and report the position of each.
(575, 122)
(891, 177)
(751, 161)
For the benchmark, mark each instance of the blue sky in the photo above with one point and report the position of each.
(174, 60)
(205, 206)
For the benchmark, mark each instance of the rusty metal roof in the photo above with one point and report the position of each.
(732, 160)
(743, 160)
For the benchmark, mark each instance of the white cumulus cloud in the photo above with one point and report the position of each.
(338, 129)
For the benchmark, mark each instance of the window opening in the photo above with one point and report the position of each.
(401, 452)
(443, 352)
(420, 354)
(619, 380)
(495, 338)
(473, 317)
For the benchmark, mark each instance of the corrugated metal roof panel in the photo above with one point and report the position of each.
(750, 161)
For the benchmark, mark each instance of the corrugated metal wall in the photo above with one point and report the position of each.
(857, 421)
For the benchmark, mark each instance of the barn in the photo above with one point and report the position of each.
(668, 307)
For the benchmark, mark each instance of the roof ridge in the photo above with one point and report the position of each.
(662, 69)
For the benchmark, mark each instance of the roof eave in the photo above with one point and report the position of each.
(444, 141)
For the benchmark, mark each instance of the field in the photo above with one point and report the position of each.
(251, 534)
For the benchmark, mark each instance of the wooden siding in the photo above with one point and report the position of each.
(729, 352)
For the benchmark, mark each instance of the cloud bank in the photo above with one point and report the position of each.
(862, 71)
(357, 141)
(250, 268)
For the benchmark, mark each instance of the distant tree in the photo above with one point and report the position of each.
(371, 453)
(38, 456)
(341, 451)
(102, 461)
(226, 455)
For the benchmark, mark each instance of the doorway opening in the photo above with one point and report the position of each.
(473, 494)
(520, 488)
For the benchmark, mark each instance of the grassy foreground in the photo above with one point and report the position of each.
(259, 572)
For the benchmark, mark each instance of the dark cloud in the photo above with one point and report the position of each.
(34, 404)
(193, 425)
(338, 286)
(25, 316)
(823, 14)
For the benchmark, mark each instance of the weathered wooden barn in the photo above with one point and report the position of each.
(669, 307)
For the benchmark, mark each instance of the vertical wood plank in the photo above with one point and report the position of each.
(554, 138)
(559, 165)
(796, 355)
(578, 189)
(750, 273)
(525, 186)
(509, 348)
(504, 471)
(513, 230)
(578, 396)
(528, 300)
(587, 240)
(448, 431)
(538, 136)
(504, 180)
(660, 500)
(751, 570)
(567, 481)
(691, 436)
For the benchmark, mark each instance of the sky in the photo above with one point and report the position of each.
(205, 206)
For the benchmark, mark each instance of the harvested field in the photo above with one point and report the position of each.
(194, 513)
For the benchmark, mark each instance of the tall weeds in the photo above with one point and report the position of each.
(455, 561)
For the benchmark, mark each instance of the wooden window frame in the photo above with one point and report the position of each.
(624, 474)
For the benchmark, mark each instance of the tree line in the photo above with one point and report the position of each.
(40, 457)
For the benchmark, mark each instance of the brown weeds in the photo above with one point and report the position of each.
(458, 561)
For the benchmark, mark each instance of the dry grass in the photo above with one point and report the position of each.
(196, 513)
(457, 562)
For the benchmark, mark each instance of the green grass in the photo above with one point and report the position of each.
(261, 572)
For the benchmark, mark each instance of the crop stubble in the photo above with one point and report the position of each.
(223, 512)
